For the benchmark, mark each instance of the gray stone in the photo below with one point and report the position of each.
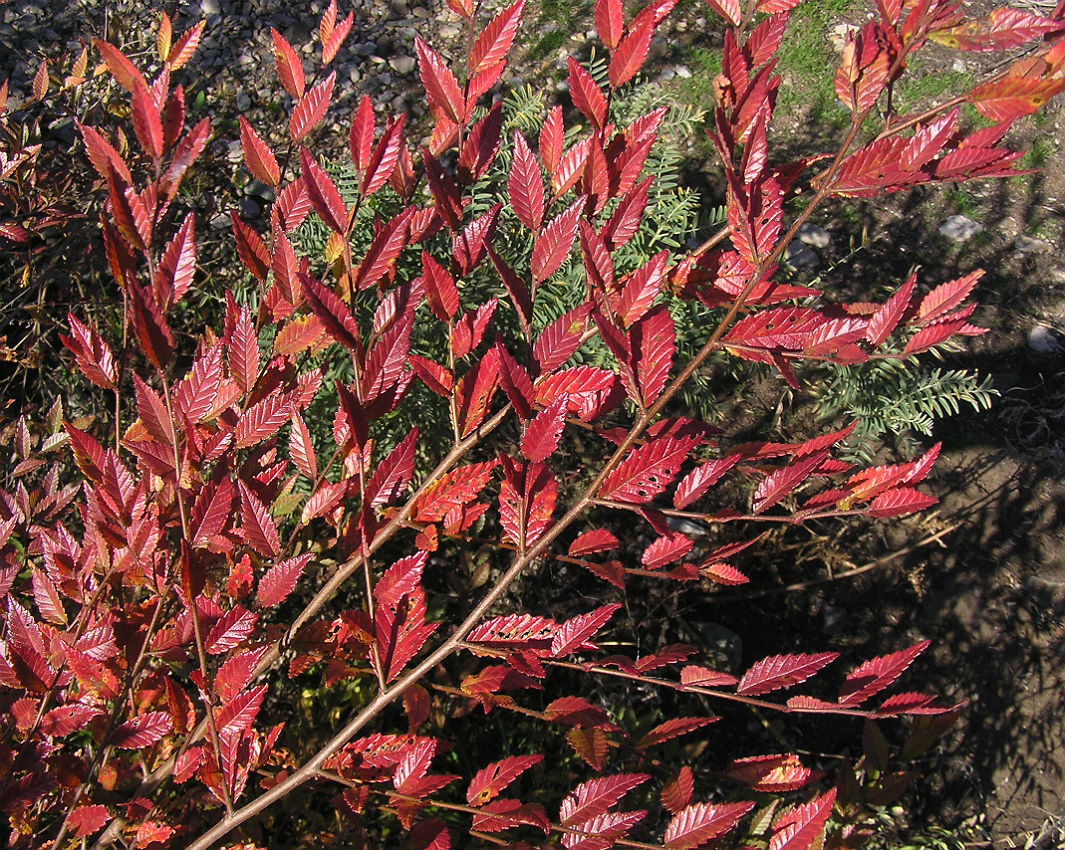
(724, 644)
(250, 209)
(209, 7)
(1042, 340)
(1030, 245)
(683, 71)
(366, 48)
(403, 64)
(243, 101)
(814, 236)
(959, 228)
(354, 75)
(801, 257)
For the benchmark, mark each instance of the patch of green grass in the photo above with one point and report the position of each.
(556, 20)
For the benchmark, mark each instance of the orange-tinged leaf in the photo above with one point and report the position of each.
(489, 782)
(610, 22)
(146, 122)
(258, 157)
(493, 44)
(311, 108)
(631, 53)
(801, 828)
(677, 793)
(124, 72)
(441, 88)
(183, 49)
(289, 67)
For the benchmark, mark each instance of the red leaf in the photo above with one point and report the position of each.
(124, 72)
(360, 136)
(393, 473)
(525, 185)
(243, 351)
(592, 745)
(311, 108)
(280, 580)
(900, 501)
(185, 154)
(210, 514)
(702, 822)
(480, 146)
(609, 22)
(1013, 97)
(550, 141)
(183, 49)
(385, 156)
(703, 677)
(526, 501)
(1000, 30)
(678, 791)
(440, 290)
(323, 194)
(468, 331)
(782, 671)
(652, 342)
(230, 630)
(458, 487)
(387, 244)
(728, 9)
(236, 673)
(332, 312)
(515, 382)
(631, 53)
(239, 714)
(441, 88)
(625, 220)
(693, 485)
(92, 354)
(779, 484)
(800, 829)
(945, 297)
(489, 781)
(594, 540)
(593, 798)
(560, 339)
(173, 275)
(553, 244)
(289, 67)
(433, 375)
(61, 721)
(250, 248)
(665, 550)
(647, 470)
(301, 448)
(586, 95)
(774, 774)
(872, 676)
(146, 122)
(890, 313)
(261, 421)
(258, 157)
(474, 392)
(639, 289)
(493, 44)
(575, 632)
(673, 728)
(336, 38)
(726, 574)
(258, 527)
(85, 820)
(153, 333)
(541, 436)
(141, 731)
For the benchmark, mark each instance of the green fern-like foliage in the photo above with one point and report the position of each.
(893, 396)
(673, 217)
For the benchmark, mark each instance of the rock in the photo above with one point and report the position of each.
(209, 7)
(243, 101)
(814, 236)
(354, 75)
(250, 209)
(959, 228)
(403, 64)
(683, 71)
(1042, 340)
(837, 35)
(1030, 245)
(833, 620)
(687, 526)
(724, 644)
(801, 257)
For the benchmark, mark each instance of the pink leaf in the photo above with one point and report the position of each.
(874, 675)
(230, 630)
(280, 580)
(782, 671)
(541, 436)
(703, 822)
(141, 731)
(490, 781)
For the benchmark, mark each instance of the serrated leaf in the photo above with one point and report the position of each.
(673, 728)
(782, 671)
(800, 829)
(311, 108)
(900, 501)
(280, 580)
(775, 774)
(261, 421)
(592, 541)
(489, 782)
(593, 798)
(494, 42)
(609, 22)
(872, 676)
(393, 473)
(453, 489)
(86, 820)
(256, 523)
(592, 745)
(525, 186)
(541, 436)
(238, 715)
(677, 793)
(647, 470)
(258, 157)
(586, 95)
(441, 88)
(289, 67)
(779, 484)
(697, 824)
(141, 731)
(631, 52)
(231, 629)
(147, 124)
(575, 632)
